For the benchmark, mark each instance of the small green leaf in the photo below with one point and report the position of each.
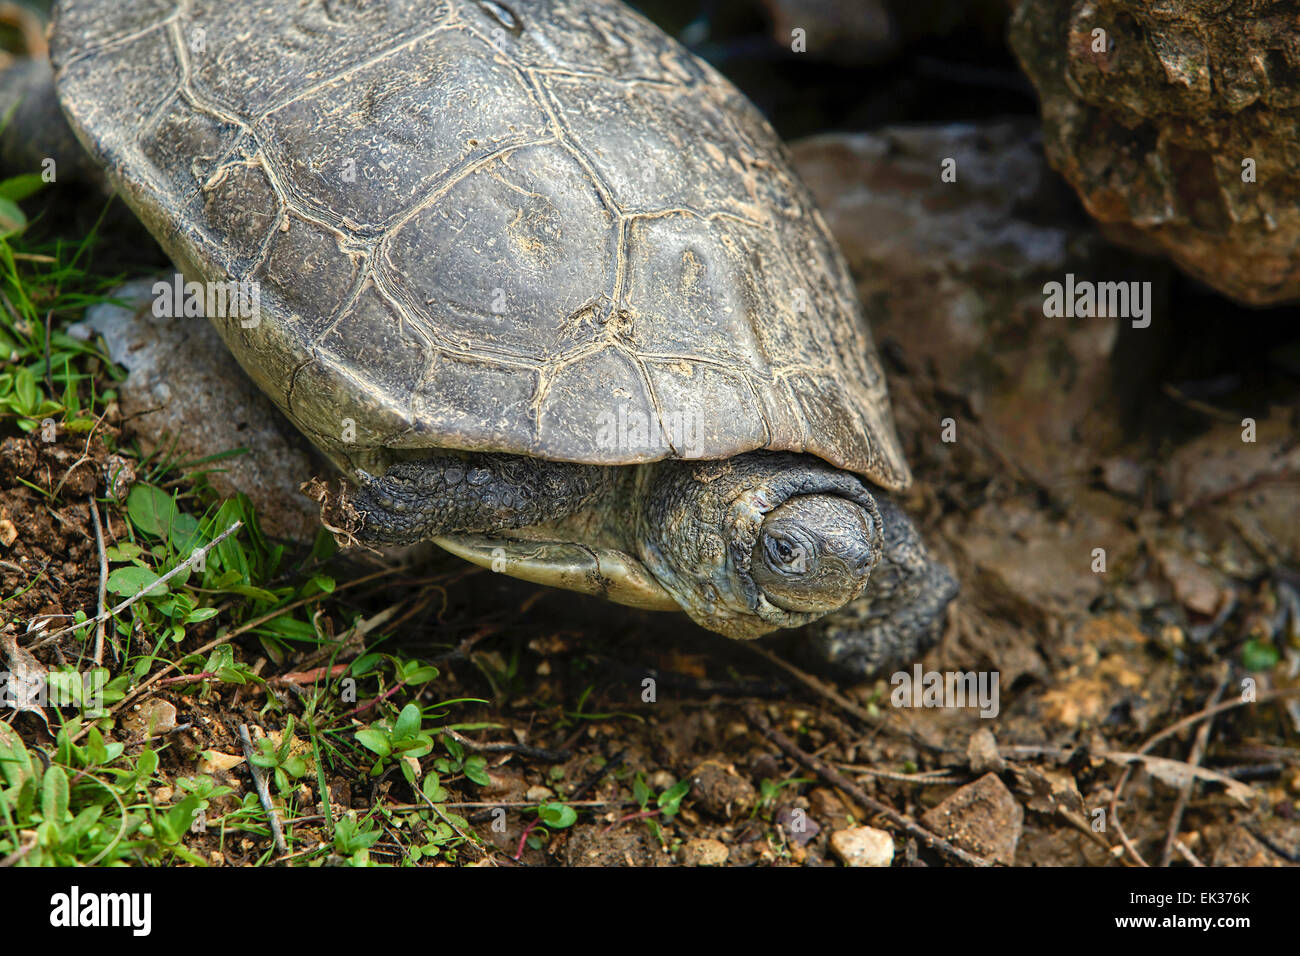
(15, 762)
(12, 219)
(24, 384)
(434, 790)
(130, 579)
(670, 801)
(476, 770)
(184, 535)
(124, 551)
(54, 795)
(84, 821)
(257, 594)
(148, 762)
(321, 583)
(408, 723)
(1259, 656)
(557, 816)
(18, 188)
(374, 740)
(416, 673)
(152, 510)
(350, 837)
(96, 749)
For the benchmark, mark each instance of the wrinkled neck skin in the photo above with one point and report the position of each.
(695, 525)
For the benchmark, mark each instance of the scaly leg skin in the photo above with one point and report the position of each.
(901, 614)
(470, 492)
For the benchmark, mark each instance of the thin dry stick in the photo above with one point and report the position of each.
(357, 633)
(1082, 826)
(32, 30)
(928, 778)
(30, 839)
(1169, 731)
(837, 779)
(1187, 854)
(1194, 759)
(1119, 827)
(1264, 698)
(839, 700)
(195, 556)
(103, 581)
(263, 793)
(523, 750)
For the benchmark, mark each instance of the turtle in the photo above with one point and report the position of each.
(542, 284)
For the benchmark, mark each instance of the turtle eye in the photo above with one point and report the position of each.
(785, 555)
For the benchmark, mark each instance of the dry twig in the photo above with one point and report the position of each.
(837, 779)
(196, 555)
(263, 792)
(103, 581)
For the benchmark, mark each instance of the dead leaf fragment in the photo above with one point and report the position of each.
(27, 680)
(1178, 774)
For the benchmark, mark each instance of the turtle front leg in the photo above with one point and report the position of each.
(899, 616)
(467, 493)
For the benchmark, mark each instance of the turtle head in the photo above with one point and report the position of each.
(758, 542)
(814, 553)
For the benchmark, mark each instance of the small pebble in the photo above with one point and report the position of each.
(704, 852)
(863, 846)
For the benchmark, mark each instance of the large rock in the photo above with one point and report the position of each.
(954, 275)
(1152, 119)
(186, 393)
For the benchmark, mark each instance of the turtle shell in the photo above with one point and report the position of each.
(542, 228)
